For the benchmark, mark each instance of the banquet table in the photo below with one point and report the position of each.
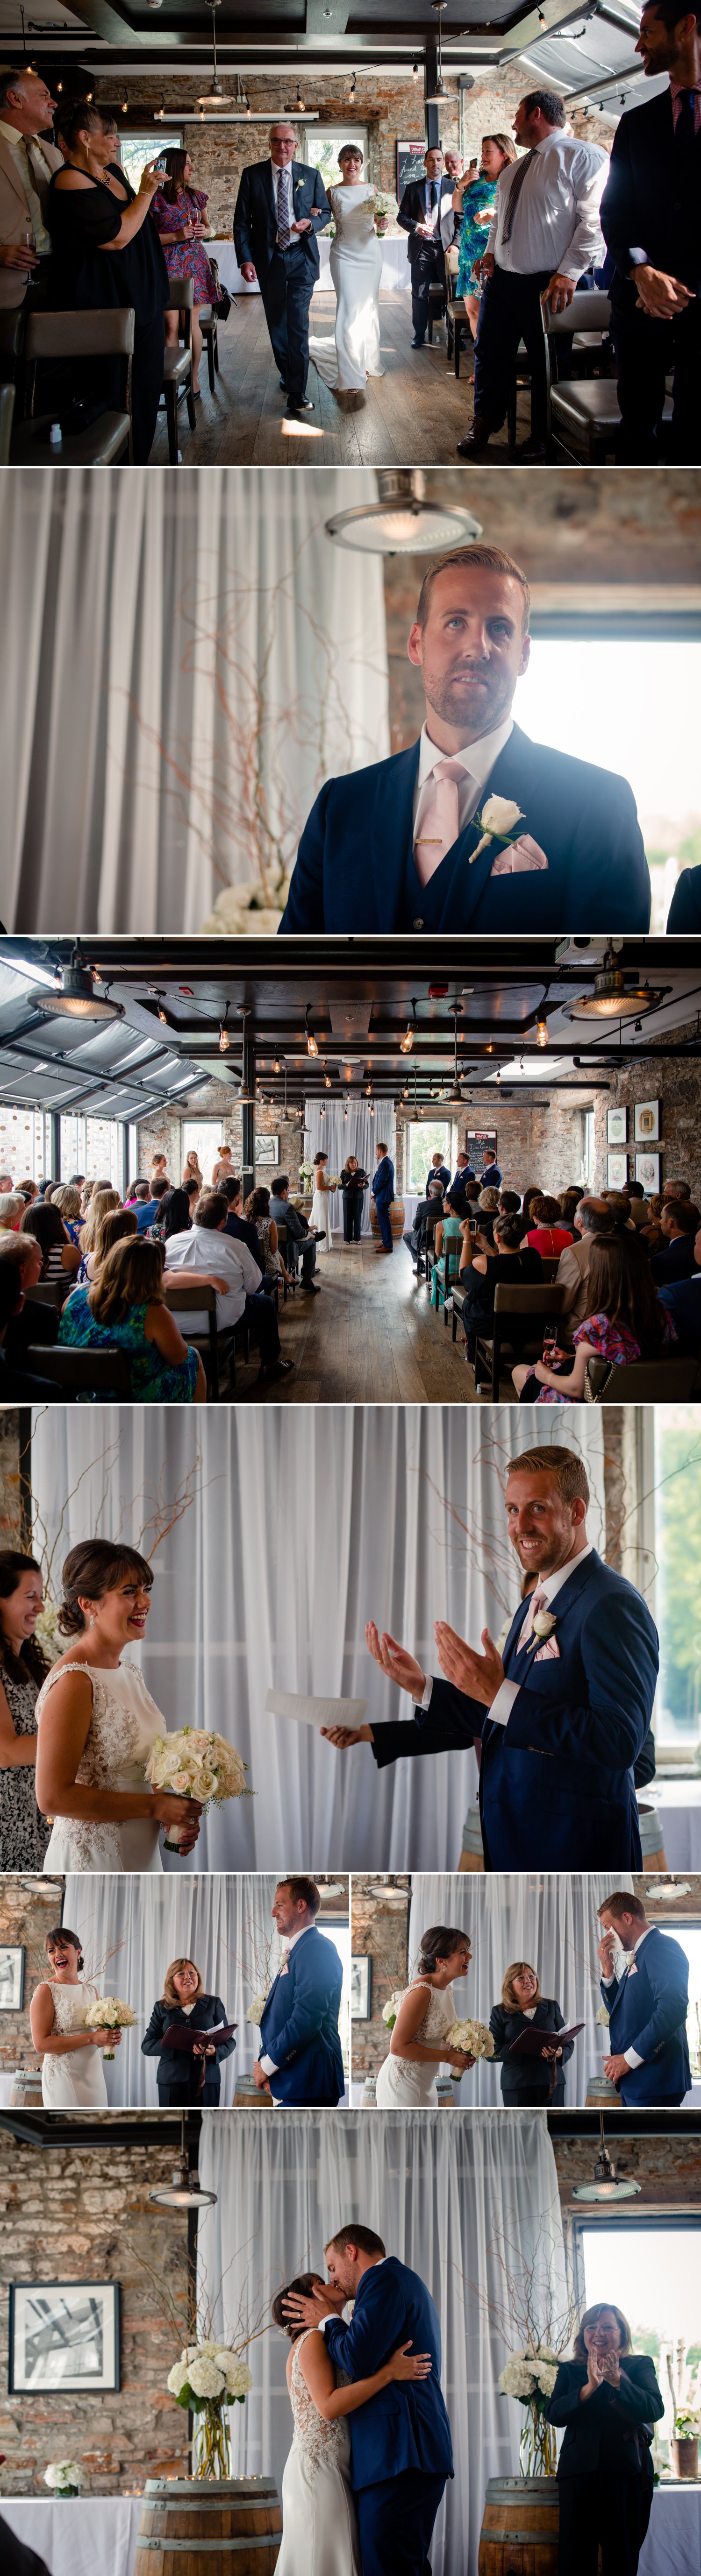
(395, 279)
(673, 2543)
(77, 2534)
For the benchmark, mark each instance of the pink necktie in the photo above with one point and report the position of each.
(437, 817)
(538, 1601)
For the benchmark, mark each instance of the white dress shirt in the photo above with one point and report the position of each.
(556, 221)
(631, 2054)
(31, 167)
(286, 177)
(269, 2064)
(550, 1585)
(219, 1256)
(477, 760)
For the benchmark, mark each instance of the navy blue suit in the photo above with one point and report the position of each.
(442, 1175)
(652, 202)
(404, 2430)
(383, 1194)
(556, 1783)
(685, 908)
(355, 869)
(299, 2028)
(683, 1303)
(647, 2010)
(176, 2073)
(286, 277)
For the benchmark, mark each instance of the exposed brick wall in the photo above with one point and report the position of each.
(677, 1086)
(533, 1143)
(668, 2170)
(163, 1135)
(24, 1922)
(379, 1930)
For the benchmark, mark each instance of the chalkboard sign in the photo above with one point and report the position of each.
(410, 164)
(475, 1143)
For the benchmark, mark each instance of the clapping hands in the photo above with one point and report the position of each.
(480, 1676)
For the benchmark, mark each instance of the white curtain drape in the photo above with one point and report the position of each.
(549, 1921)
(444, 2195)
(338, 1136)
(192, 657)
(131, 1931)
(303, 1524)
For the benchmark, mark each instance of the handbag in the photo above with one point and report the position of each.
(221, 302)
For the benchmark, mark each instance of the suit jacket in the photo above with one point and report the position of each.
(556, 1783)
(255, 217)
(573, 1276)
(14, 212)
(683, 1303)
(624, 2411)
(685, 908)
(243, 1232)
(174, 2067)
(645, 204)
(675, 1260)
(383, 1184)
(403, 2426)
(441, 1175)
(412, 211)
(647, 2008)
(299, 2028)
(350, 873)
(522, 2074)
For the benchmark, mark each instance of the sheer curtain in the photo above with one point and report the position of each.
(192, 657)
(303, 1523)
(339, 1136)
(132, 1929)
(444, 2194)
(549, 1921)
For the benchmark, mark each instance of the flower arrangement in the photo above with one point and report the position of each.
(108, 2013)
(391, 2008)
(473, 2036)
(534, 2314)
(208, 2378)
(195, 1763)
(64, 2477)
(381, 212)
(529, 2375)
(603, 2016)
(306, 1172)
(256, 2010)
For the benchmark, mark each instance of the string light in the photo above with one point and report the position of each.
(541, 1033)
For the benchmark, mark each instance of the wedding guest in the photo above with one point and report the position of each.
(66, 1198)
(191, 1169)
(300, 1235)
(426, 2012)
(18, 1383)
(208, 1251)
(509, 1203)
(463, 1177)
(257, 1213)
(72, 2073)
(625, 1322)
(12, 1206)
(545, 232)
(17, 2559)
(531, 1193)
(453, 165)
(569, 1199)
(27, 161)
(60, 1258)
(679, 1225)
(545, 1233)
(148, 1207)
(104, 1201)
(526, 2081)
(650, 220)
(438, 1172)
(237, 1224)
(651, 1232)
(473, 202)
(419, 215)
(591, 1217)
(453, 1226)
(491, 1258)
(682, 1302)
(354, 1182)
(676, 1190)
(619, 1203)
(222, 1167)
(179, 214)
(34, 1322)
(606, 2398)
(645, 1986)
(24, 1833)
(107, 253)
(114, 1227)
(125, 1309)
(172, 1215)
(178, 2073)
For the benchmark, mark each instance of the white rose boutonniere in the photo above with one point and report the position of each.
(543, 1625)
(498, 820)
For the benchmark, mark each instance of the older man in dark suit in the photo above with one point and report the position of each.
(279, 208)
(651, 220)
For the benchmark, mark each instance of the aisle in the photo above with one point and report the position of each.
(371, 1337)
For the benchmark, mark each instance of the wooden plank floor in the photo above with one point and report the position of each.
(413, 415)
(371, 1337)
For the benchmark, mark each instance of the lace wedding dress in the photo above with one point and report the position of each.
(77, 2081)
(404, 2082)
(124, 1724)
(355, 261)
(319, 2523)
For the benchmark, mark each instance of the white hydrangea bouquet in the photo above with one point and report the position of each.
(529, 2375)
(194, 1763)
(210, 2377)
(473, 2036)
(256, 2010)
(391, 2008)
(63, 2477)
(108, 2013)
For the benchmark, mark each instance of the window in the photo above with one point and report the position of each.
(134, 150)
(322, 144)
(677, 1542)
(94, 1146)
(571, 673)
(424, 1141)
(25, 1142)
(339, 1934)
(653, 2272)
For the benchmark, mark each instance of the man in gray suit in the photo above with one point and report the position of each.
(26, 169)
(298, 1232)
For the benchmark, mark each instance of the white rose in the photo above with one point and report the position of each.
(546, 2376)
(500, 814)
(543, 1623)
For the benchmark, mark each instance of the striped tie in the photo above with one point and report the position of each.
(283, 228)
(515, 191)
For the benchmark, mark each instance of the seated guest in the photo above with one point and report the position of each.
(66, 1198)
(301, 1246)
(569, 1199)
(494, 1259)
(545, 1231)
(179, 214)
(112, 1227)
(452, 1227)
(5, 1182)
(237, 1224)
(173, 1214)
(148, 1201)
(12, 1207)
(212, 1255)
(591, 1217)
(527, 2081)
(18, 1385)
(626, 1322)
(488, 1202)
(60, 1257)
(125, 1309)
(34, 1322)
(257, 1214)
(676, 1190)
(532, 1192)
(192, 1191)
(106, 252)
(619, 1203)
(682, 1301)
(27, 161)
(636, 1200)
(607, 2398)
(509, 1203)
(651, 1232)
(178, 2073)
(645, 1987)
(429, 1211)
(104, 1201)
(191, 1170)
(676, 1259)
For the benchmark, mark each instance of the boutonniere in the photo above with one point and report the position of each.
(543, 1625)
(299, 183)
(497, 821)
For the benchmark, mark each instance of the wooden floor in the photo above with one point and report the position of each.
(413, 415)
(371, 1337)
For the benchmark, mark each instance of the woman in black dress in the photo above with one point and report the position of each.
(178, 2073)
(493, 1258)
(107, 252)
(608, 2399)
(353, 1182)
(528, 2081)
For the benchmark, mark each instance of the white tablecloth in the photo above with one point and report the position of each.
(679, 1805)
(77, 2535)
(395, 278)
(673, 2544)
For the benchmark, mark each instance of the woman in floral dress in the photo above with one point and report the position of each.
(474, 198)
(627, 1322)
(179, 214)
(24, 1834)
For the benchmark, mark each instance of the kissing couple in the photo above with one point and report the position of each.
(371, 2449)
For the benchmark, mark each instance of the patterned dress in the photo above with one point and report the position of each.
(319, 2522)
(612, 1342)
(153, 1380)
(187, 258)
(474, 237)
(404, 2082)
(24, 1833)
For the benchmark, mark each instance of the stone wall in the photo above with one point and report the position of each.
(10, 1480)
(534, 1143)
(678, 1088)
(667, 2168)
(379, 1931)
(25, 1919)
(162, 1134)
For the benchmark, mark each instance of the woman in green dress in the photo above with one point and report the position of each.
(125, 1309)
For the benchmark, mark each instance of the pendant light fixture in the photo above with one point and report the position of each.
(402, 521)
(214, 97)
(183, 2191)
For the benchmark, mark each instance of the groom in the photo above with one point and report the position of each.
(279, 205)
(562, 1716)
(401, 2450)
(403, 846)
(301, 2059)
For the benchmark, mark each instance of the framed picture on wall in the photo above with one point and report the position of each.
(11, 1980)
(267, 1149)
(360, 1988)
(616, 1171)
(64, 2335)
(616, 1128)
(647, 1170)
(410, 163)
(647, 1122)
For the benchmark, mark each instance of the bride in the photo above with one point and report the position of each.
(72, 2074)
(97, 1724)
(319, 2521)
(356, 269)
(418, 2045)
(320, 1218)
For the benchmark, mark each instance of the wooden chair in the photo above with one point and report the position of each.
(660, 1381)
(7, 405)
(99, 334)
(177, 363)
(494, 1351)
(103, 1373)
(199, 1297)
(436, 307)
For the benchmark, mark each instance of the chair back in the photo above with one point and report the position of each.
(50, 1292)
(198, 1298)
(103, 1372)
(7, 405)
(536, 1300)
(103, 333)
(182, 295)
(661, 1381)
(590, 311)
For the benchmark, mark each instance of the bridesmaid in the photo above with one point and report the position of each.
(24, 1833)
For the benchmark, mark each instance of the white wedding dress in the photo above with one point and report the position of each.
(123, 1728)
(355, 261)
(77, 2082)
(321, 1216)
(404, 2083)
(319, 2521)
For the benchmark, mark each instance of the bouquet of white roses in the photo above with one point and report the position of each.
(107, 2013)
(473, 2036)
(195, 1763)
(390, 2009)
(64, 2477)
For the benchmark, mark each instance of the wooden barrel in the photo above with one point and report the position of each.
(396, 1217)
(652, 1839)
(601, 2094)
(26, 2093)
(369, 2095)
(519, 2528)
(208, 2527)
(247, 2096)
(472, 1855)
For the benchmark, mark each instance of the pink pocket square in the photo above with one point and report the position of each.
(520, 859)
(550, 1648)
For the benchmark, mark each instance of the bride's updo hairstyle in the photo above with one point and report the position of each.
(437, 1944)
(305, 2283)
(94, 1568)
(55, 1941)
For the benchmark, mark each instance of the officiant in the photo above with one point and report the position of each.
(184, 2007)
(529, 2082)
